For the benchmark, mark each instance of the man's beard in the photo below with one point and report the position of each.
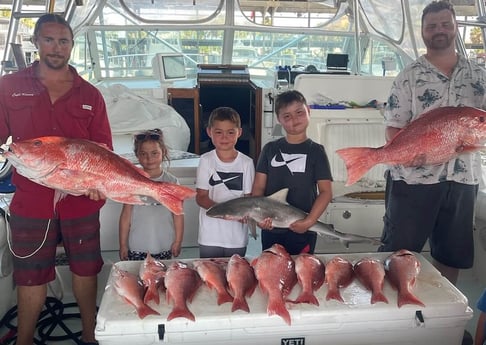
(56, 62)
(439, 42)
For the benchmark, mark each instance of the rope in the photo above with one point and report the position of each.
(50, 319)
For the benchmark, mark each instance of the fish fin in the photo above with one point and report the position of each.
(144, 310)
(224, 297)
(358, 161)
(407, 297)
(252, 227)
(58, 196)
(280, 196)
(378, 297)
(152, 294)
(240, 303)
(470, 148)
(172, 197)
(306, 297)
(181, 312)
(276, 306)
(334, 294)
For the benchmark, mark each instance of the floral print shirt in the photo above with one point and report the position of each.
(421, 87)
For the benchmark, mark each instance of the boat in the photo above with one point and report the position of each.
(242, 54)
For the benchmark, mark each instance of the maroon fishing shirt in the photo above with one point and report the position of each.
(26, 112)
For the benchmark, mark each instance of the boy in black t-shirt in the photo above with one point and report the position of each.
(299, 164)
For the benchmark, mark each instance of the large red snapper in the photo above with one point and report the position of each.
(214, 275)
(241, 281)
(371, 273)
(339, 274)
(181, 283)
(128, 286)
(75, 166)
(152, 273)
(310, 274)
(275, 272)
(436, 137)
(402, 268)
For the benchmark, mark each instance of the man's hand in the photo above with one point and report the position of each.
(95, 195)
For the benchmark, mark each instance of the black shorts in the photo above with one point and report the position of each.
(442, 213)
(293, 242)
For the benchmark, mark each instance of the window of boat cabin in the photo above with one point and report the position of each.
(265, 35)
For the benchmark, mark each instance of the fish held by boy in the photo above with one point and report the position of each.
(257, 208)
(75, 166)
(436, 137)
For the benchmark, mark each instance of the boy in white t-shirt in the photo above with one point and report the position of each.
(223, 174)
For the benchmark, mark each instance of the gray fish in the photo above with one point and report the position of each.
(257, 208)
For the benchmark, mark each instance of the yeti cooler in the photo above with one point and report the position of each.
(356, 321)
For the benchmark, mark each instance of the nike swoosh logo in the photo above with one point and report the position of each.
(213, 182)
(276, 163)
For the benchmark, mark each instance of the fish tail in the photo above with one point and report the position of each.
(407, 297)
(358, 161)
(277, 307)
(182, 311)
(224, 297)
(378, 297)
(240, 303)
(144, 310)
(334, 294)
(152, 294)
(172, 196)
(307, 297)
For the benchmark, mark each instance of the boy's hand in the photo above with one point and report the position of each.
(176, 249)
(266, 224)
(300, 226)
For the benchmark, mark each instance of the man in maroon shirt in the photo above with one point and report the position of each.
(50, 98)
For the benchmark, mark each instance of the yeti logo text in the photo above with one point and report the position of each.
(292, 341)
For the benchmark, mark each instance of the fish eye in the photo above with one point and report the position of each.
(37, 143)
(481, 119)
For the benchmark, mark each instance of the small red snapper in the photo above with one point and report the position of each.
(275, 272)
(371, 274)
(310, 274)
(152, 273)
(434, 138)
(128, 286)
(214, 275)
(402, 268)
(75, 166)
(181, 283)
(339, 274)
(241, 281)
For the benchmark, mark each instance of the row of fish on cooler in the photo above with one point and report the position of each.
(274, 271)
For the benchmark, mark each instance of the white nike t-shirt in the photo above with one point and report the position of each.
(224, 181)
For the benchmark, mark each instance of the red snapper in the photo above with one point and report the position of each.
(436, 137)
(75, 166)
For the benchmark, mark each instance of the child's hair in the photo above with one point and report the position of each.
(285, 98)
(224, 114)
(151, 135)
